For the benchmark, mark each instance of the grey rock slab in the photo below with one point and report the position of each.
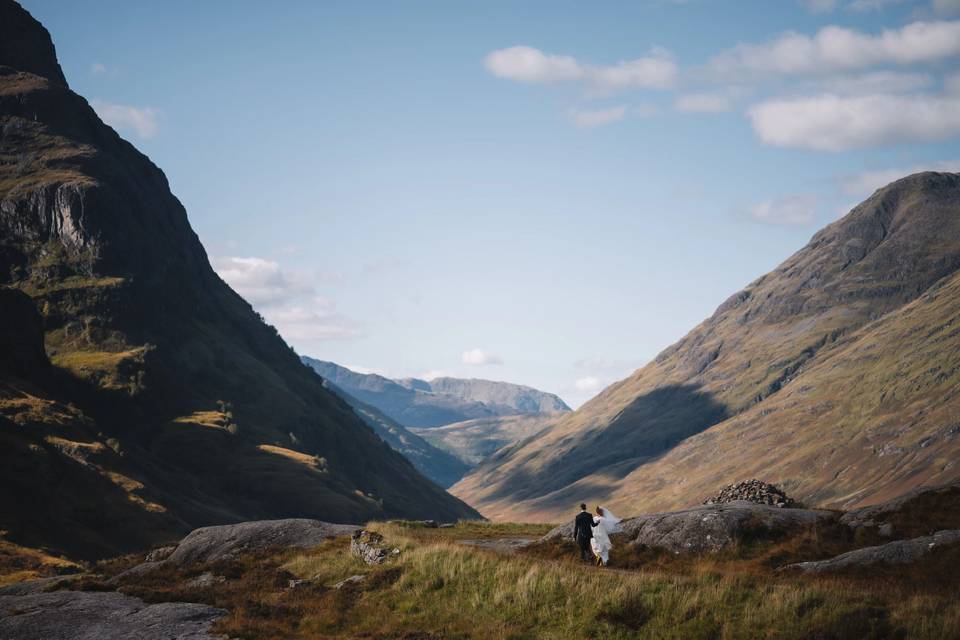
(38, 585)
(708, 527)
(79, 615)
(899, 552)
(226, 541)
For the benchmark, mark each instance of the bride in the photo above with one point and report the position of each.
(606, 523)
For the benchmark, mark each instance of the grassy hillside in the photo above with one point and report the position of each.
(473, 441)
(834, 376)
(439, 587)
(153, 399)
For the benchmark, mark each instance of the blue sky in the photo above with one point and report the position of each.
(544, 193)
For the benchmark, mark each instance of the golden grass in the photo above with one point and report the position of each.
(18, 563)
(437, 588)
(301, 458)
(211, 419)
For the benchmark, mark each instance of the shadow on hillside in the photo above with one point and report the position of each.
(644, 430)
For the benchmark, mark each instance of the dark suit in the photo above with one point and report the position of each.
(582, 533)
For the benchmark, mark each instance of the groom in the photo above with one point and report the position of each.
(583, 531)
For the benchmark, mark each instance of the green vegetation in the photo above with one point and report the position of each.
(439, 587)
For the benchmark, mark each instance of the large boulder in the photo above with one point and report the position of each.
(709, 527)
(899, 552)
(227, 541)
(915, 513)
(81, 615)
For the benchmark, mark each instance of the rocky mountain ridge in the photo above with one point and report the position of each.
(425, 404)
(835, 376)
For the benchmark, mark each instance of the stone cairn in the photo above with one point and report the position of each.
(755, 491)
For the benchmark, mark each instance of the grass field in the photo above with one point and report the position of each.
(440, 588)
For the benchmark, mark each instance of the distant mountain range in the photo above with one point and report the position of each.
(140, 397)
(835, 376)
(430, 421)
(441, 401)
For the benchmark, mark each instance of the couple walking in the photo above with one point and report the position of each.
(592, 533)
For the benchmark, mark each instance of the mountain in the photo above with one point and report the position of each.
(141, 397)
(835, 376)
(441, 466)
(419, 403)
(473, 441)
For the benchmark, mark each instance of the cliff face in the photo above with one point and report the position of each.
(835, 376)
(167, 403)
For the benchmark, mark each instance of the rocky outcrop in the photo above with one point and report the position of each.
(227, 541)
(79, 615)
(915, 513)
(755, 491)
(900, 552)
(709, 527)
(368, 546)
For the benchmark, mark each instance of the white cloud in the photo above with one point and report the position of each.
(590, 118)
(946, 7)
(819, 6)
(951, 84)
(793, 210)
(871, 5)
(835, 123)
(876, 82)
(702, 103)
(98, 68)
(319, 322)
(839, 49)
(261, 282)
(588, 384)
(526, 64)
(287, 300)
(144, 121)
(478, 356)
(866, 182)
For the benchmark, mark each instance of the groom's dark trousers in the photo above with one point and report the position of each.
(583, 532)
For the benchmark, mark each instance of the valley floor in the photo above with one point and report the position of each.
(443, 585)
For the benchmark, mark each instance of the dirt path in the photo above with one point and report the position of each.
(501, 545)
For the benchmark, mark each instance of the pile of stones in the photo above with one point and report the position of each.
(755, 491)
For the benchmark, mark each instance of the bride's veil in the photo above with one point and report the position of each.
(611, 521)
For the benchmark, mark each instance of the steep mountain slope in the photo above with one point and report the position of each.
(835, 375)
(473, 441)
(439, 465)
(418, 403)
(166, 402)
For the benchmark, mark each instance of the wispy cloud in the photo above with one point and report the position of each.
(702, 103)
(287, 300)
(98, 69)
(590, 118)
(478, 356)
(142, 121)
(791, 210)
(656, 70)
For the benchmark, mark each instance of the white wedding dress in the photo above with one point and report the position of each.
(600, 543)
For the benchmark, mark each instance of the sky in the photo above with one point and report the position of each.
(547, 193)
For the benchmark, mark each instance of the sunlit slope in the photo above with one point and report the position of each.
(817, 376)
